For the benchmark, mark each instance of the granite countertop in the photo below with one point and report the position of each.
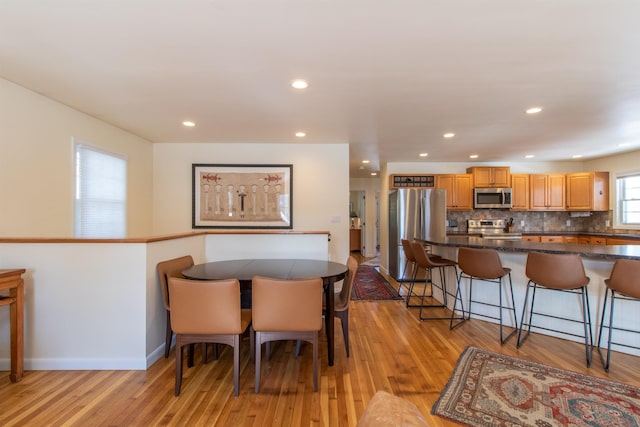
(555, 233)
(610, 252)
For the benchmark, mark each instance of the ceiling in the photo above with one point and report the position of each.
(387, 77)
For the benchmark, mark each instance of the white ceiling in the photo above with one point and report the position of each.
(387, 76)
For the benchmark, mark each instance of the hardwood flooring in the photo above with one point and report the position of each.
(391, 350)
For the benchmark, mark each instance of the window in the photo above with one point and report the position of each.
(628, 200)
(100, 193)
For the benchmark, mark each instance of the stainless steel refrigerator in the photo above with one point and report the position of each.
(413, 214)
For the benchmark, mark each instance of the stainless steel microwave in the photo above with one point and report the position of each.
(492, 198)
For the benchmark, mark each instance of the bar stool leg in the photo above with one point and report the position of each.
(609, 338)
(524, 311)
(513, 308)
(588, 335)
(458, 296)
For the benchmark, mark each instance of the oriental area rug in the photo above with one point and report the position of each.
(490, 389)
(370, 285)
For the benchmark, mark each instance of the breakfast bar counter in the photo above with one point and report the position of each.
(598, 261)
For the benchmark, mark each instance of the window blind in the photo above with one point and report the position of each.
(101, 193)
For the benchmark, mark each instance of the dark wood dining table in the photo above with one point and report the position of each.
(245, 269)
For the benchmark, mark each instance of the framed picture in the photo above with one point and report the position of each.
(242, 196)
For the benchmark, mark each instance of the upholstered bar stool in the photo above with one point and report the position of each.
(483, 265)
(623, 284)
(428, 262)
(557, 272)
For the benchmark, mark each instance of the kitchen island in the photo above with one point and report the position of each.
(598, 261)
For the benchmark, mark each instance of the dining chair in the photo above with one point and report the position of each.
(286, 310)
(343, 298)
(208, 311)
(166, 269)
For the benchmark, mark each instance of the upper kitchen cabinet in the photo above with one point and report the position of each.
(459, 189)
(588, 191)
(483, 176)
(547, 192)
(520, 192)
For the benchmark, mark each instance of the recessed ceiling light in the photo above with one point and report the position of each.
(365, 161)
(299, 84)
(533, 110)
(373, 174)
(188, 123)
(624, 144)
(301, 134)
(529, 156)
(449, 135)
(577, 156)
(424, 154)
(473, 156)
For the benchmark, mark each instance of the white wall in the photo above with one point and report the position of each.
(36, 168)
(320, 184)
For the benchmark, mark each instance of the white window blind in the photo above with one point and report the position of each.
(628, 199)
(101, 193)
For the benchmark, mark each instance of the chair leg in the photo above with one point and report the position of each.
(315, 362)
(236, 364)
(458, 296)
(588, 334)
(606, 361)
(521, 339)
(513, 308)
(344, 321)
(298, 347)
(178, 382)
(258, 356)
(168, 335)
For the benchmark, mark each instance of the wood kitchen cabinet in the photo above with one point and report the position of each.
(459, 189)
(588, 191)
(499, 176)
(531, 238)
(520, 192)
(547, 192)
(552, 239)
(622, 241)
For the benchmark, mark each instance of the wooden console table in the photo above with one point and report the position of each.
(11, 280)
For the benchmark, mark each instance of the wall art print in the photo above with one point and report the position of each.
(242, 196)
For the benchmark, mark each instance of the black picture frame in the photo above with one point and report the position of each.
(238, 196)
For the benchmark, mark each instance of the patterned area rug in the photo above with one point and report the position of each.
(369, 285)
(490, 389)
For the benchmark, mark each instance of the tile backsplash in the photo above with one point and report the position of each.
(540, 222)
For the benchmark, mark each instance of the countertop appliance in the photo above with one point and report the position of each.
(414, 213)
(492, 198)
(492, 229)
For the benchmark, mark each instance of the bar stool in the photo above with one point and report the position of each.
(557, 272)
(484, 265)
(624, 284)
(411, 259)
(428, 262)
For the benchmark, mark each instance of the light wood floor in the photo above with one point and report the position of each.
(391, 350)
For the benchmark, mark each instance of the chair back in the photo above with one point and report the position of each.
(344, 297)
(286, 305)
(481, 263)
(205, 306)
(408, 252)
(557, 271)
(625, 277)
(171, 268)
(422, 257)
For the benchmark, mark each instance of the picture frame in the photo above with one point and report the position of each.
(242, 196)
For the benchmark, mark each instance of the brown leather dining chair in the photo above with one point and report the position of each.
(343, 299)
(558, 273)
(286, 310)
(166, 269)
(411, 261)
(622, 285)
(208, 311)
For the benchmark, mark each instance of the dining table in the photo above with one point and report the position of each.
(289, 269)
